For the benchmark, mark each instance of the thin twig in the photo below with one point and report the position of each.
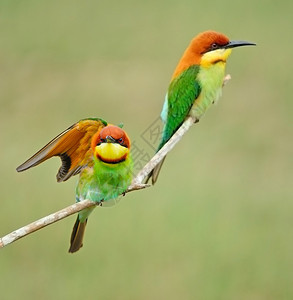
(136, 184)
(43, 222)
(163, 152)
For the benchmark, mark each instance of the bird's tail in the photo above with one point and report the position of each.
(154, 174)
(77, 235)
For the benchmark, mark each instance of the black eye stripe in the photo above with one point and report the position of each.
(101, 141)
(118, 141)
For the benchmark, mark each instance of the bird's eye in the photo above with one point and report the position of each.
(120, 140)
(103, 141)
(214, 46)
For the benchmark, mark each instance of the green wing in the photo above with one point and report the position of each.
(182, 92)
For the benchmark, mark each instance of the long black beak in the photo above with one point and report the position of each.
(110, 139)
(233, 44)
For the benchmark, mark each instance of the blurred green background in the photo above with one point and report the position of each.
(218, 224)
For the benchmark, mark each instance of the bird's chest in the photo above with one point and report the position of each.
(211, 81)
(102, 182)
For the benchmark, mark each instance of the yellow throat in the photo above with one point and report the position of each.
(213, 57)
(111, 152)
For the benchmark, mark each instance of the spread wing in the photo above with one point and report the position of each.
(73, 146)
(182, 92)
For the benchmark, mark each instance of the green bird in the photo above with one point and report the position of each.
(100, 152)
(196, 83)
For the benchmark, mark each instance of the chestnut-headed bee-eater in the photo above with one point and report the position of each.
(196, 83)
(100, 152)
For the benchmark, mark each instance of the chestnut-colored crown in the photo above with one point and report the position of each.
(199, 45)
(118, 134)
(204, 42)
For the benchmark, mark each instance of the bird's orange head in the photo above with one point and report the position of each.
(206, 49)
(207, 41)
(111, 145)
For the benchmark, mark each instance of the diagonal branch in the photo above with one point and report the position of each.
(136, 184)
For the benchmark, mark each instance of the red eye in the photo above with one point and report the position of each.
(120, 140)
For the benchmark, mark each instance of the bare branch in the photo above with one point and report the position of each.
(136, 184)
(55, 217)
(43, 222)
(163, 152)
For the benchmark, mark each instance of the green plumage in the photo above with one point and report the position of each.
(211, 81)
(190, 93)
(102, 183)
(182, 92)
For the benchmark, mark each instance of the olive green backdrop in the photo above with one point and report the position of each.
(218, 224)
